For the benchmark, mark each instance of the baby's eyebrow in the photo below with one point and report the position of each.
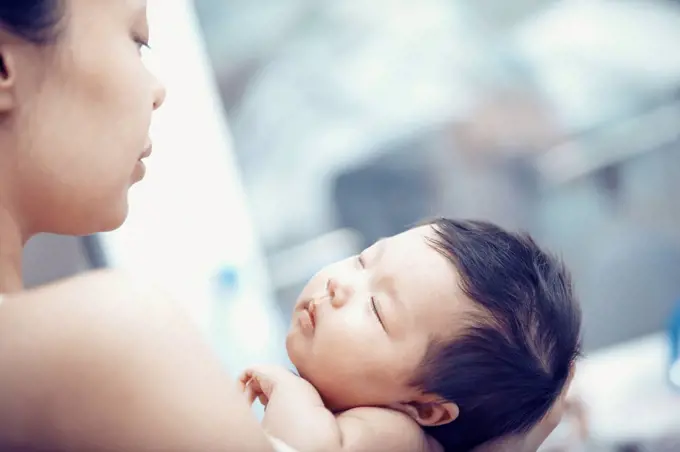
(392, 291)
(379, 246)
(388, 281)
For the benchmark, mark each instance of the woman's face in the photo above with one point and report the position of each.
(75, 119)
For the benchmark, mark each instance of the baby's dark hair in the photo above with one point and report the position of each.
(512, 363)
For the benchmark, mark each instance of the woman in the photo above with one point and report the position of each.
(98, 362)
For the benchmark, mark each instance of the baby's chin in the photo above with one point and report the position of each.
(334, 393)
(294, 347)
(335, 397)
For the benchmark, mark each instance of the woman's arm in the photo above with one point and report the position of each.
(104, 363)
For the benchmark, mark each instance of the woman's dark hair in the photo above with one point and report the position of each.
(507, 371)
(33, 20)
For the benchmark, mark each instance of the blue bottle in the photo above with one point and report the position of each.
(674, 337)
(225, 292)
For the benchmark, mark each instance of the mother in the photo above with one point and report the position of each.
(98, 362)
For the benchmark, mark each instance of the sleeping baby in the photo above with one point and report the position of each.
(442, 338)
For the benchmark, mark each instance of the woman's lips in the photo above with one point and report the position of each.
(147, 152)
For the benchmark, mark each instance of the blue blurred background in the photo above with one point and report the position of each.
(354, 119)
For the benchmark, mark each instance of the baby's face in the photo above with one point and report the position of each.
(361, 327)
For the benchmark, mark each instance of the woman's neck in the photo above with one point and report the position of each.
(11, 251)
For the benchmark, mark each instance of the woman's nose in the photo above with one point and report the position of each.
(340, 292)
(159, 93)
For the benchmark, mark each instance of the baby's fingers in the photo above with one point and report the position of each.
(249, 386)
(244, 379)
(251, 392)
(264, 400)
(253, 389)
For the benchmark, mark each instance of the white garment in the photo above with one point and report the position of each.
(280, 446)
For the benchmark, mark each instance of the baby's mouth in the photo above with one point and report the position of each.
(311, 310)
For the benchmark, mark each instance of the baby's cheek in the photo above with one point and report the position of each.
(317, 283)
(408, 366)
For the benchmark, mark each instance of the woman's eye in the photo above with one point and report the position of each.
(142, 43)
(360, 260)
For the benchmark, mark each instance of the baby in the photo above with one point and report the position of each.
(438, 339)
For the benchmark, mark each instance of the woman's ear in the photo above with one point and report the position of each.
(430, 410)
(7, 78)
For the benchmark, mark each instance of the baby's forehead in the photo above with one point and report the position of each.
(445, 315)
(437, 302)
(425, 281)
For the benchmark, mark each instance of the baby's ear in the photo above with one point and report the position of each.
(430, 411)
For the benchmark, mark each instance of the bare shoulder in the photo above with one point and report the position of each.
(369, 429)
(103, 309)
(77, 320)
(107, 359)
(105, 312)
(110, 294)
(84, 339)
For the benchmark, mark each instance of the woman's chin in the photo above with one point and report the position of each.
(100, 221)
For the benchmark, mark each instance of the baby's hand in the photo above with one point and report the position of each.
(260, 382)
(294, 410)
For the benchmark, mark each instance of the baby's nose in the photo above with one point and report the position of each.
(339, 292)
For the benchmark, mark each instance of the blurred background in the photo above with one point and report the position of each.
(351, 120)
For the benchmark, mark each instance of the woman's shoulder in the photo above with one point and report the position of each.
(89, 320)
(93, 298)
(102, 284)
(82, 318)
(105, 358)
(113, 281)
(59, 343)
